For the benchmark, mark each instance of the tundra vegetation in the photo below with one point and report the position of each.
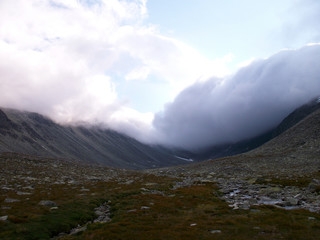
(56, 199)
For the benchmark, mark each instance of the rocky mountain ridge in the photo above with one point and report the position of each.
(246, 145)
(34, 134)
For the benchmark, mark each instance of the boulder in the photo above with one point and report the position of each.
(47, 203)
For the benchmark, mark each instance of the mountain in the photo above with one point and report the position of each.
(246, 145)
(302, 141)
(271, 192)
(32, 133)
(294, 152)
(284, 172)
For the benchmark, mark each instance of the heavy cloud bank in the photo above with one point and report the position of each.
(86, 60)
(244, 105)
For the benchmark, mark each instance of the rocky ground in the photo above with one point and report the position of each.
(285, 172)
(59, 199)
(71, 200)
(256, 181)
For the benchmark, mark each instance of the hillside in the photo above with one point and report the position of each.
(284, 172)
(295, 152)
(249, 144)
(32, 133)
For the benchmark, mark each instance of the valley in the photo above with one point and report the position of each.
(270, 192)
(55, 199)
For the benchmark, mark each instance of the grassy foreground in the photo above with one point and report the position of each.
(143, 206)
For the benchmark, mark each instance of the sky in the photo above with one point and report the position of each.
(182, 73)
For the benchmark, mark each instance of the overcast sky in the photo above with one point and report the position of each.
(161, 70)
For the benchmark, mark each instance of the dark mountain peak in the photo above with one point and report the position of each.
(40, 119)
(297, 115)
(301, 139)
(5, 122)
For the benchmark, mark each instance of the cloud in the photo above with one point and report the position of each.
(244, 105)
(64, 59)
(68, 60)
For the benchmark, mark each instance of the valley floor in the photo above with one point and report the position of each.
(56, 199)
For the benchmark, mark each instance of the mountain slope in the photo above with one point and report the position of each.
(295, 152)
(32, 133)
(301, 140)
(252, 143)
(284, 172)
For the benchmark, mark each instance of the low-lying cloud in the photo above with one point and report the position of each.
(252, 101)
(68, 60)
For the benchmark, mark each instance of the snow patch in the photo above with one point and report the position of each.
(185, 159)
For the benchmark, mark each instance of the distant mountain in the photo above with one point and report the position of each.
(300, 141)
(293, 154)
(32, 133)
(230, 149)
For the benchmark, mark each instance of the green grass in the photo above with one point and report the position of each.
(172, 218)
(50, 223)
(297, 181)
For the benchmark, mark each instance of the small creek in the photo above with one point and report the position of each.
(103, 216)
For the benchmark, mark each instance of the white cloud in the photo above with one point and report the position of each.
(252, 101)
(63, 59)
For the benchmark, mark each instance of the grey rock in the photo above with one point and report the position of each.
(78, 229)
(11, 200)
(4, 218)
(150, 184)
(103, 213)
(47, 203)
(5, 207)
(132, 210)
(314, 185)
(292, 202)
(23, 193)
(84, 190)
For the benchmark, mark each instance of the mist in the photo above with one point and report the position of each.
(244, 105)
